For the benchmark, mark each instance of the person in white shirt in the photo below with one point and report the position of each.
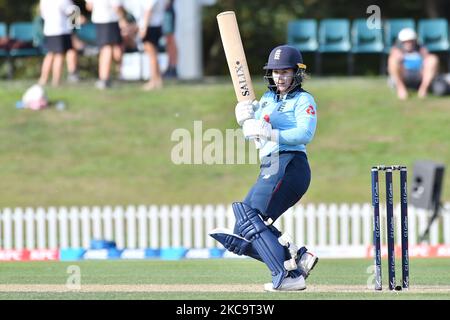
(150, 33)
(57, 41)
(105, 16)
(169, 33)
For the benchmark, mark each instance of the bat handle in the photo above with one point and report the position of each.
(259, 143)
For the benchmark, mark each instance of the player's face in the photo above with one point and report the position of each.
(283, 79)
(409, 45)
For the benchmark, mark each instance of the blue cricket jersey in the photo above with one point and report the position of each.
(294, 116)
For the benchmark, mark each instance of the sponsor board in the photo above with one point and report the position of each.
(29, 255)
(415, 251)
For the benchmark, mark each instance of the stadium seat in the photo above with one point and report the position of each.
(365, 40)
(23, 32)
(87, 33)
(334, 37)
(4, 53)
(391, 28)
(3, 34)
(38, 34)
(433, 34)
(302, 34)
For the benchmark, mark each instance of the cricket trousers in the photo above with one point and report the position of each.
(282, 182)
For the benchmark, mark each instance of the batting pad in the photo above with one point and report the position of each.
(252, 228)
(232, 242)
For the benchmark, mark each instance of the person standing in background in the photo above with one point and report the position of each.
(171, 45)
(57, 37)
(106, 15)
(72, 55)
(77, 45)
(150, 32)
(129, 30)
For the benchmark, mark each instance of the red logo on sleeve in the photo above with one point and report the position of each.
(311, 110)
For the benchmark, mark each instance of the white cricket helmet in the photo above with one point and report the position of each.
(407, 34)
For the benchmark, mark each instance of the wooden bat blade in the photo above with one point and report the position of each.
(234, 52)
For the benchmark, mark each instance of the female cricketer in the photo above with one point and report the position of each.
(282, 123)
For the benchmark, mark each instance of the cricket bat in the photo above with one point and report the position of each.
(234, 52)
(237, 63)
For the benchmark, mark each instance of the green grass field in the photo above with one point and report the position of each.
(212, 279)
(114, 147)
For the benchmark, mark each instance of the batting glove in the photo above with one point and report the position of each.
(245, 110)
(259, 129)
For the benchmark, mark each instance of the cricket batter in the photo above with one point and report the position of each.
(282, 123)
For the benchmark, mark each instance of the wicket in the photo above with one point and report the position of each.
(390, 225)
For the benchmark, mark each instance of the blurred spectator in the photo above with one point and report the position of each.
(129, 30)
(106, 15)
(411, 65)
(72, 55)
(57, 38)
(150, 32)
(171, 45)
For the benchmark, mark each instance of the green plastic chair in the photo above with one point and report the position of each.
(23, 31)
(334, 37)
(38, 34)
(391, 29)
(433, 34)
(365, 40)
(3, 34)
(87, 33)
(302, 34)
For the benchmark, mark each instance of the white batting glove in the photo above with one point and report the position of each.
(259, 143)
(245, 110)
(259, 129)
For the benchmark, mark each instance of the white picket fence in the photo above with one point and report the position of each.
(322, 225)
